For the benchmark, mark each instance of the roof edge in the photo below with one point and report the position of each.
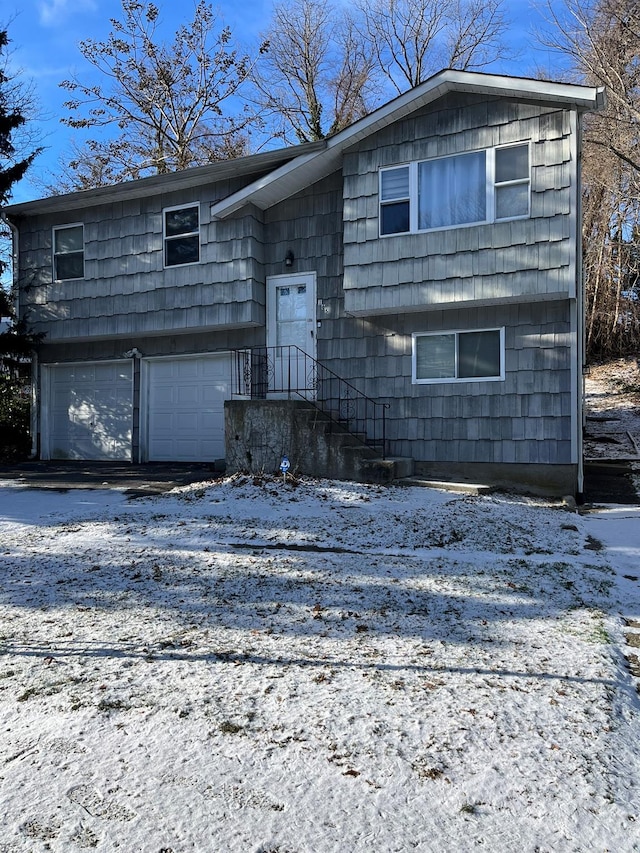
(293, 166)
(168, 182)
(582, 98)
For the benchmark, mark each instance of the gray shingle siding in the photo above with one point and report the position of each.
(498, 421)
(126, 290)
(470, 264)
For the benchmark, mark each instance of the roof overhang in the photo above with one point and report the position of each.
(286, 171)
(170, 182)
(306, 169)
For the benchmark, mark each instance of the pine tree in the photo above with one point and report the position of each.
(16, 343)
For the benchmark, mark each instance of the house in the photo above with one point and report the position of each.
(428, 257)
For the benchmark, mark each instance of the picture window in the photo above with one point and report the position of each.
(464, 189)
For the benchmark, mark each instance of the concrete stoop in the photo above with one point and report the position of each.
(448, 485)
(378, 470)
(258, 433)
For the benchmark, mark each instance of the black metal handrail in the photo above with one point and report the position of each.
(260, 372)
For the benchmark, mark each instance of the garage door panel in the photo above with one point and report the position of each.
(189, 395)
(165, 396)
(162, 370)
(60, 399)
(90, 411)
(185, 419)
(211, 394)
(190, 371)
(187, 422)
(162, 448)
(210, 420)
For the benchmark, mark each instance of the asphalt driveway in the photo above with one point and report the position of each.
(136, 480)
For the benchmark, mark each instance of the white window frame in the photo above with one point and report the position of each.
(517, 182)
(55, 255)
(455, 379)
(491, 186)
(167, 238)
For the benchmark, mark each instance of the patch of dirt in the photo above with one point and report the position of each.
(612, 408)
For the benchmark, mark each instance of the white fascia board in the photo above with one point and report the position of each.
(309, 168)
(262, 192)
(569, 94)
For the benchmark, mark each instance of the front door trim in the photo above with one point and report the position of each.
(287, 280)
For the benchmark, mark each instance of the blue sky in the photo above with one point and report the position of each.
(44, 42)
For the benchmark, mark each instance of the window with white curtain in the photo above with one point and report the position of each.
(460, 356)
(464, 189)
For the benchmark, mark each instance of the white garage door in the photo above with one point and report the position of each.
(90, 411)
(186, 408)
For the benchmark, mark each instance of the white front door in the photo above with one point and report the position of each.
(291, 329)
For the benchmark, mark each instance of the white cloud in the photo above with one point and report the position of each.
(54, 12)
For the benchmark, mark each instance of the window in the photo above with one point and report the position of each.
(512, 182)
(465, 189)
(181, 236)
(394, 200)
(458, 356)
(68, 252)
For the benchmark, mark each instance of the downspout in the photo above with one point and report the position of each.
(136, 446)
(580, 359)
(15, 292)
(578, 318)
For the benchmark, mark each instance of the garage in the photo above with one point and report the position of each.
(185, 407)
(88, 412)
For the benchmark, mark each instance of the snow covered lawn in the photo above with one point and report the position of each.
(253, 666)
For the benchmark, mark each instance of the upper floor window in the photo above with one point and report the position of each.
(458, 356)
(181, 235)
(68, 252)
(464, 189)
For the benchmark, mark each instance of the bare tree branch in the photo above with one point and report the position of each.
(602, 40)
(412, 39)
(314, 78)
(168, 104)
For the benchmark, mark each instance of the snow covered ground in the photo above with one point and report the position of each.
(258, 666)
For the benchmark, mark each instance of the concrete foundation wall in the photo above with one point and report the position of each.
(258, 433)
(530, 479)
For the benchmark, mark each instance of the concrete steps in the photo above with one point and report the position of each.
(447, 485)
(260, 432)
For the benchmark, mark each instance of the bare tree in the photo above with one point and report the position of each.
(314, 77)
(167, 103)
(611, 211)
(602, 40)
(18, 142)
(412, 39)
